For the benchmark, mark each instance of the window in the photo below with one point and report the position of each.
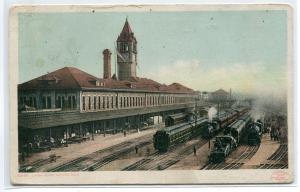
(34, 102)
(95, 102)
(63, 102)
(30, 101)
(116, 101)
(83, 103)
(89, 103)
(73, 102)
(107, 102)
(112, 101)
(59, 102)
(103, 102)
(99, 102)
(69, 102)
(48, 102)
(44, 104)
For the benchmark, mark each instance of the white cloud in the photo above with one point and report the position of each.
(241, 77)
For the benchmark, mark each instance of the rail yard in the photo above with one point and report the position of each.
(183, 145)
(71, 121)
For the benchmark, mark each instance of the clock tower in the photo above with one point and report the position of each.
(126, 53)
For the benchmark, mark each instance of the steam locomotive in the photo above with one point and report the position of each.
(255, 131)
(224, 145)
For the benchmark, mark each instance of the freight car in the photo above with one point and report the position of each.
(176, 119)
(178, 133)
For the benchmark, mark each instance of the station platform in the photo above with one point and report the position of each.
(65, 154)
(266, 149)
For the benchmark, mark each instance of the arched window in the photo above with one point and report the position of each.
(103, 102)
(107, 102)
(99, 102)
(90, 103)
(83, 103)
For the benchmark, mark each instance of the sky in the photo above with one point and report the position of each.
(242, 50)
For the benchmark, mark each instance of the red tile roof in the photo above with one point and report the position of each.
(73, 78)
(64, 78)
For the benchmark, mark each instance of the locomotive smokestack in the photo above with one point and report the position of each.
(106, 64)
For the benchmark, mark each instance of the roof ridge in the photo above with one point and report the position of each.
(68, 68)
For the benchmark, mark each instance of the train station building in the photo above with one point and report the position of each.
(69, 102)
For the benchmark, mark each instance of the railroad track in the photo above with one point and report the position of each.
(35, 165)
(100, 156)
(112, 157)
(275, 160)
(178, 156)
(158, 161)
(248, 152)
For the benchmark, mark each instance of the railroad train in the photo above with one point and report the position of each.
(224, 145)
(169, 136)
(222, 121)
(181, 132)
(254, 133)
(176, 119)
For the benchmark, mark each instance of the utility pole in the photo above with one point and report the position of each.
(93, 125)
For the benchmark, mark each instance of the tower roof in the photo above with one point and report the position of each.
(126, 34)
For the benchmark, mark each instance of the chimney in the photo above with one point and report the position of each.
(106, 64)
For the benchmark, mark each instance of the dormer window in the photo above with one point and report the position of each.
(96, 82)
(48, 80)
(130, 85)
